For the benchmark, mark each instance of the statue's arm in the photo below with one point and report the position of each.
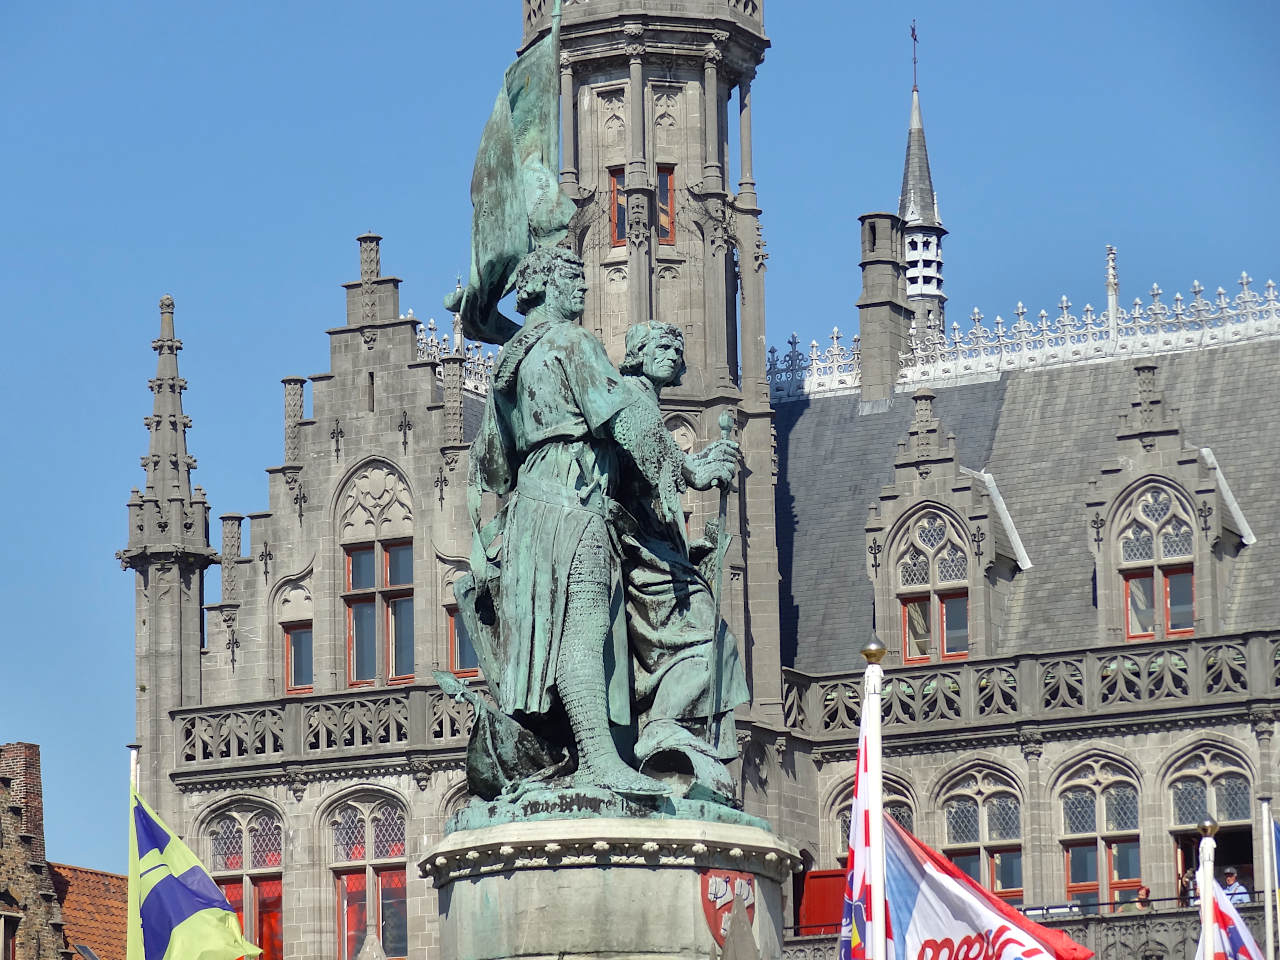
(644, 439)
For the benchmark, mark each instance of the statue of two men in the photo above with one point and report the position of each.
(596, 628)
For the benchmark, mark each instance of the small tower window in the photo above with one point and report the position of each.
(618, 204)
(666, 205)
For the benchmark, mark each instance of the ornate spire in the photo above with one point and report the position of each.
(167, 512)
(917, 204)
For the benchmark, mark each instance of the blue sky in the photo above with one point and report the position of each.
(229, 154)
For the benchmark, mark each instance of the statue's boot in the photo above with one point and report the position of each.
(580, 678)
(673, 754)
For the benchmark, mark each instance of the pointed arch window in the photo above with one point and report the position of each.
(984, 832)
(376, 529)
(247, 849)
(1101, 853)
(932, 569)
(1212, 783)
(1154, 554)
(369, 868)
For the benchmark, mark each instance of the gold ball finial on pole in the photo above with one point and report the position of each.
(1207, 827)
(874, 651)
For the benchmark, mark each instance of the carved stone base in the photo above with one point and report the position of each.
(606, 887)
(575, 803)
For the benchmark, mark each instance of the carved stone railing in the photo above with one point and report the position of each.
(1112, 681)
(937, 357)
(1159, 935)
(1147, 330)
(477, 366)
(361, 722)
(795, 374)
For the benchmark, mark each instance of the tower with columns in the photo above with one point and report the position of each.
(651, 97)
(168, 550)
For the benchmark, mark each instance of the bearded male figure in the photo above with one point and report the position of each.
(544, 597)
(688, 675)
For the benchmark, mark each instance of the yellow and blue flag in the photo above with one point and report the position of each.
(176, 911)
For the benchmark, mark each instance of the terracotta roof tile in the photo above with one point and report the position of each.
(94, 908)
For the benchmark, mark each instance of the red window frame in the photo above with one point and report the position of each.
(1114, 886)
(372, 878)
(289, 628)
(343, 917)
(387, 547)
(1164, 579)
(667, 170)
(9, 930)
(942, 624)
(1159, 577)
(389, 631)
(351, 642)
(395, 873)
(268, 917)
(451, 614)
(1083, 887)
(927, 600)
(618, 214)
(1011, 893)
(1147, 573)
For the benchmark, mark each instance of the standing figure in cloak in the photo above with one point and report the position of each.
(688, 676)
(544, 597)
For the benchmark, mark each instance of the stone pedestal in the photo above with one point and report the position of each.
(619, 888)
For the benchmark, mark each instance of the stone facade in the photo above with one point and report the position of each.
(292, 732)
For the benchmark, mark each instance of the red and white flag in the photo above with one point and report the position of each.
(1234, 941)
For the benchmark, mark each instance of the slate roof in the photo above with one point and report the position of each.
(94, 908)
(1043, 435)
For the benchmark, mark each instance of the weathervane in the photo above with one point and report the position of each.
(915, 42)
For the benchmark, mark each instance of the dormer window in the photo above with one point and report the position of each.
(1154, 552)
(933, 580)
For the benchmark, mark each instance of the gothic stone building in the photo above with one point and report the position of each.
(1067, 549)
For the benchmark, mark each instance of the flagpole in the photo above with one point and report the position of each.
(1269, 877)
(133, 765)
(1204, 887)
(873, 680)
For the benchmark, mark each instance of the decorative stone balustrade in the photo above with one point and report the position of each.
(1146, 330)
(360, 725)
(1159, 935)
(795, 374)
(1105, 682)
(983, 352)
(477, 365)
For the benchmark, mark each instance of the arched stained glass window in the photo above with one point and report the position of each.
(370, 888)
(984, 831)
(246, 851)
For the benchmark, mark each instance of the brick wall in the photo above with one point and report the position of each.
(26, 888)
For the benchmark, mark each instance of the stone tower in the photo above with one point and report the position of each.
(168, 550)
(651, 95)
(923, 232)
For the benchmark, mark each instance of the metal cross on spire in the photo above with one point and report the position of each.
(915, 42)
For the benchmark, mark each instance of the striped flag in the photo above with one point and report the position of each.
(1234, 941)
(176, 912)
(855, 922)
(1275, 836)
